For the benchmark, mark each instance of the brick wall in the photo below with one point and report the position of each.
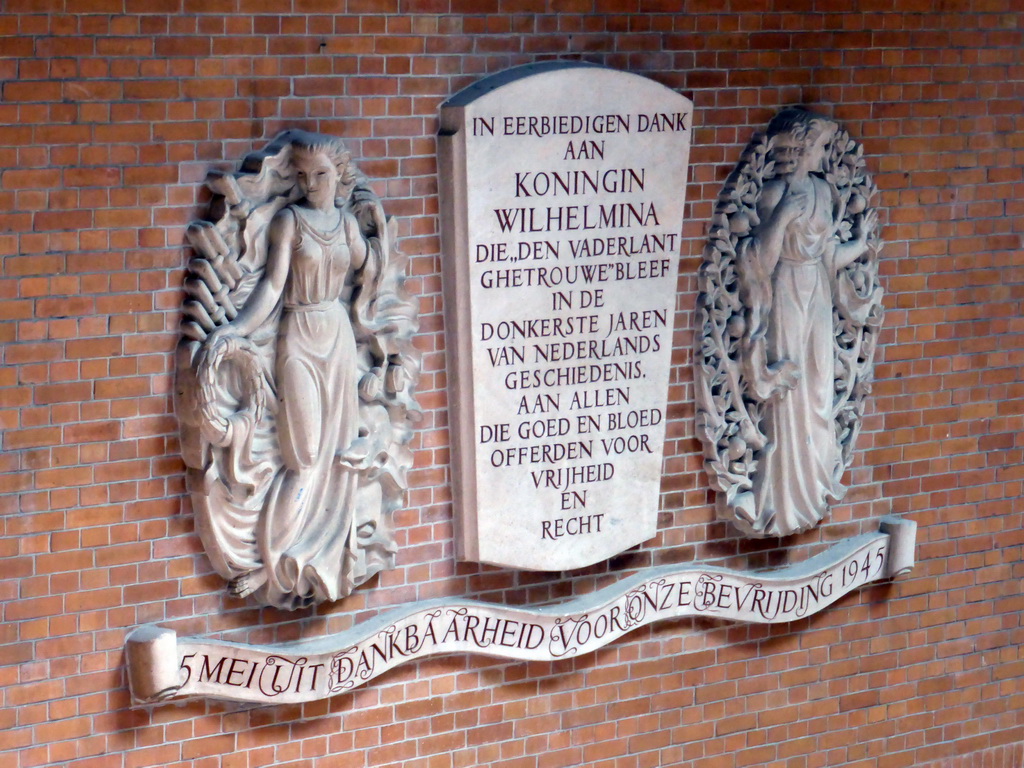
(111, 113)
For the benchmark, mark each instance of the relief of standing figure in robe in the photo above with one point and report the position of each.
(296, 375)
(788, 318)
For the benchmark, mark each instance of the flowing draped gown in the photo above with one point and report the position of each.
(307, 524)
(796, 480)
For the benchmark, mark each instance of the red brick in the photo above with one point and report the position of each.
(112, 113)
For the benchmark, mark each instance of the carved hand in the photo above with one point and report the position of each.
(866, 225)
(793, 204)
(217, 342)
(217, 336)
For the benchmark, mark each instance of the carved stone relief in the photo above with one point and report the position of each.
(562, 196)
(295, 375)
(165, 667)
(788, 318)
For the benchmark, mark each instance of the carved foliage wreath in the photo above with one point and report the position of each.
(730, 417)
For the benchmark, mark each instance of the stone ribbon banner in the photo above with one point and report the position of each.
(163, 667)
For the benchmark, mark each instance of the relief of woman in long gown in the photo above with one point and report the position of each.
(790, 308)
(296, 375)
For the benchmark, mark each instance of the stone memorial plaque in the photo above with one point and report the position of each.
(562, 191)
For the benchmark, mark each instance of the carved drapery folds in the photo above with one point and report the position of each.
(296, 374)
(788, 318)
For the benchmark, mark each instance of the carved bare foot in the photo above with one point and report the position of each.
(247, 583)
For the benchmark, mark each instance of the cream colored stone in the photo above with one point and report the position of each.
(562, 189)
(162, 667)
(787, 318)
(296, 375)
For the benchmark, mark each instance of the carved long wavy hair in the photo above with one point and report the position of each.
(802, 124)
(305, 142)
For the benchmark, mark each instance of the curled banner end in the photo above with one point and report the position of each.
(162, 666)
(153, 667)
(902, 540)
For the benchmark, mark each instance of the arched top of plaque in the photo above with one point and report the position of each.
(498, 80)
(788, 318)
(562, 193)
(571, 83)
